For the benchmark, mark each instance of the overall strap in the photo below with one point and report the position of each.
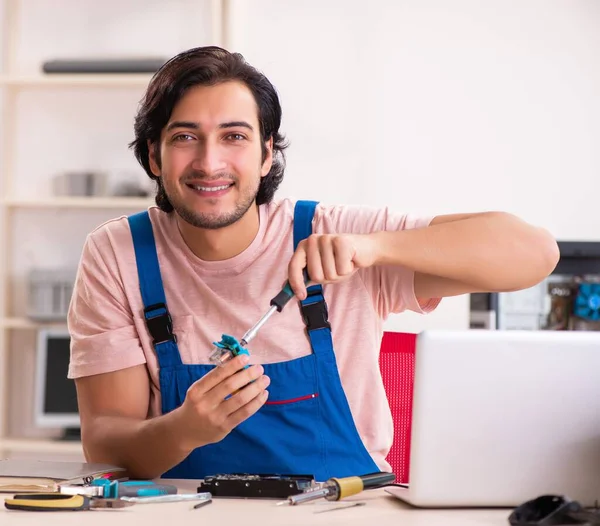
(313, 308)
(158, 319)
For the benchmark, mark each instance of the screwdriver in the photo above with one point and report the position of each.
(133, 488)
(115, 489)
(229, 346)
(340, 488)
(277, 304)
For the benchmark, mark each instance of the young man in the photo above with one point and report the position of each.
(156, 289)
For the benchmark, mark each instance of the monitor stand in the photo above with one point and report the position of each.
(71, 434)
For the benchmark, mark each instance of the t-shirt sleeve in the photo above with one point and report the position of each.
(100, 321)
(391, 287)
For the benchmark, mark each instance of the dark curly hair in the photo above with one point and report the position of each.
(207, 66)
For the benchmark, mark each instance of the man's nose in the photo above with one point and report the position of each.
(209, 158)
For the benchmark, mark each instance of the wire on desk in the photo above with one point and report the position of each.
(202, 503)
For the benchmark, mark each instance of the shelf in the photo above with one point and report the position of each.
(80, 202)
(74, 80)
(32, 445)
(27, 324)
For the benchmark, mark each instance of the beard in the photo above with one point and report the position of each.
(211, 221)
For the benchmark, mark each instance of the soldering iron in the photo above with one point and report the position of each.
(340, 488)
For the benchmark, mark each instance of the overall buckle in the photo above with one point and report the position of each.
(315, 314)
(159, 323)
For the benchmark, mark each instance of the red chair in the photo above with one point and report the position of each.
(397, 365)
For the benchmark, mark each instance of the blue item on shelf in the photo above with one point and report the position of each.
(587, 301)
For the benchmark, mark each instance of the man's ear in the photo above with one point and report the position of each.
(268, 160)
(152, 160)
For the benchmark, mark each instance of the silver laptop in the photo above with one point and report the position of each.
(501, 417)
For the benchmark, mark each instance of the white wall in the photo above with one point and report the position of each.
(92, 29)
(435, 107)
(438, 106)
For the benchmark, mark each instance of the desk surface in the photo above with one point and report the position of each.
(381, 509)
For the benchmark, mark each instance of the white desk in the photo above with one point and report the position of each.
(381, 510)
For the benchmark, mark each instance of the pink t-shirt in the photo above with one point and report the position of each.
(209, 298)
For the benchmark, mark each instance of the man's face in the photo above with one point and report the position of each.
(211, 155)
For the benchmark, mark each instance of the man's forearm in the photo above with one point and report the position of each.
(492, 251)
(146, 448)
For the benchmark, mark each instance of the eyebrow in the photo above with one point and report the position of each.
(196, 126)
(236, 124)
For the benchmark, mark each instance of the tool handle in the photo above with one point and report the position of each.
(344, 487)
(375, 480)
(47, 502)
(145, 490)
(347, 486)
(133, 488)
(286, 294)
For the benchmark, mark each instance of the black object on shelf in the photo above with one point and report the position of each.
(578, 258)
(104, 65)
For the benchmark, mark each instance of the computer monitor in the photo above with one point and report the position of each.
(55, 394)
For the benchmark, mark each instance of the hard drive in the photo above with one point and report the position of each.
(256, 486)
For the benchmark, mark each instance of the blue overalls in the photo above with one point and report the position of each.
(305, 428)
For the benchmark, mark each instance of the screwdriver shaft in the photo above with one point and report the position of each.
(277, 304)
(254, 330)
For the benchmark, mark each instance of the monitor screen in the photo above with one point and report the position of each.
(55, 394)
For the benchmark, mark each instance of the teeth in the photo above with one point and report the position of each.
(210, 188)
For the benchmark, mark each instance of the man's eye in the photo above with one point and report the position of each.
(182, 137)
(236, 137)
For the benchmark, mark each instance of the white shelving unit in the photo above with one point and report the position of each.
(25, 324)
(88, 80)
(12, 83)
(43, 446)
(78, 202)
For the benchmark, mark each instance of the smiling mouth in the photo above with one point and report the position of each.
(201, 188)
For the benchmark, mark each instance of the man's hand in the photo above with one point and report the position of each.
(116, 429)
(330, 258)
(209, 413)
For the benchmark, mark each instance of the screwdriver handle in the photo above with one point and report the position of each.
(133, 488)
(144, 490)
(286, 294)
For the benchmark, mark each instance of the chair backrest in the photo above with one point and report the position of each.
(397, 364)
